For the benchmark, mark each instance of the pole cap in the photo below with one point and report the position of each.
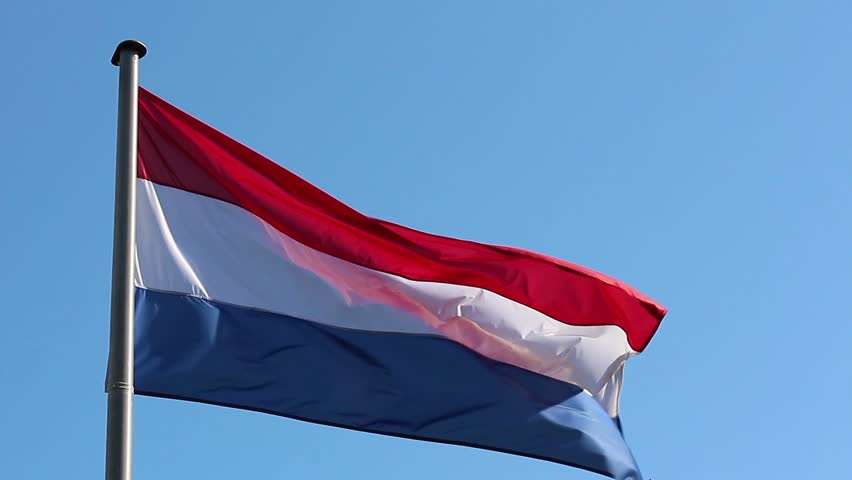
(135, 45)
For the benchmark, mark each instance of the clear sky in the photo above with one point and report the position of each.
(700, 151)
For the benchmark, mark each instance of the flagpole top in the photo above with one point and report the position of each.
(135, 45)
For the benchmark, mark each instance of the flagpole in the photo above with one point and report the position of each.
(119, 380)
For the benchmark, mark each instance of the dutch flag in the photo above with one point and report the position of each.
(257, 290)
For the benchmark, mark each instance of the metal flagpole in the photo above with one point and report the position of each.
(119, 379)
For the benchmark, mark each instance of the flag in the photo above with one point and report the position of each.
(257, 290)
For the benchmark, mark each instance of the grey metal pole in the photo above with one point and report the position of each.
(119, 379)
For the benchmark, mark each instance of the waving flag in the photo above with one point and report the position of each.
(257, 290)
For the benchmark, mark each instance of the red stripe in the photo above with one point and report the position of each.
(179, 151)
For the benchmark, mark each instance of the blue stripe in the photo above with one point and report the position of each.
(414, 386)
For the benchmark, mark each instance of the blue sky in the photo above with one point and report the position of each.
(699, 151)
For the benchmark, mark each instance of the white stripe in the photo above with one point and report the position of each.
(192, 244)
